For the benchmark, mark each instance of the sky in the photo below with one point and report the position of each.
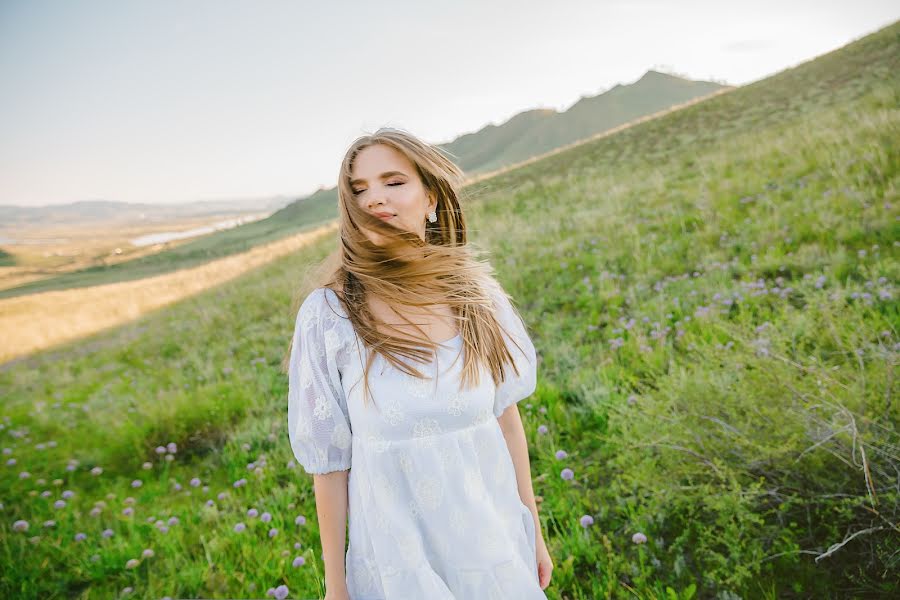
(168, 101)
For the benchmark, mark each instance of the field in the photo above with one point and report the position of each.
(713, 297)
(99, 265)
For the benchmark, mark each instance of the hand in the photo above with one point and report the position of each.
(544, 564)
(337, 593)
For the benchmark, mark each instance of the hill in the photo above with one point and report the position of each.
(712, 295)
(535, 132)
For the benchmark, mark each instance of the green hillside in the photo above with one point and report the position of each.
(535, 132)
(713, 298)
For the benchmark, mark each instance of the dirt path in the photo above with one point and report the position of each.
(39, 321)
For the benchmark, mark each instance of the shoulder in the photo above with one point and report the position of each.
(501, 299)
(321, 318)
(322, 303)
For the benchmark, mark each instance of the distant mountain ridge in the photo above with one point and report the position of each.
(93, 211)
(533, 132)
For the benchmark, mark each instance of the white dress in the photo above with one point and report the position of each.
(434, 509)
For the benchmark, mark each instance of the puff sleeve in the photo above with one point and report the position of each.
(318, 422)
(514, 387)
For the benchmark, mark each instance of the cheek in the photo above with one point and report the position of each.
(414, 202)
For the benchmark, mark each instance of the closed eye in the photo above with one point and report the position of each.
(358, 192)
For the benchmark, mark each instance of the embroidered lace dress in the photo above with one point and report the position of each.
(433, 504)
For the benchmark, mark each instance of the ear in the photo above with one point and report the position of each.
(432, 201)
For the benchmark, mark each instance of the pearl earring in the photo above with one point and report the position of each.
(432, 217)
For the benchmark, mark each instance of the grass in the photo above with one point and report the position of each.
(712, 296)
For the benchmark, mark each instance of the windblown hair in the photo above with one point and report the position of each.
(406, 272)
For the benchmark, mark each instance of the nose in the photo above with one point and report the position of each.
(376, 197)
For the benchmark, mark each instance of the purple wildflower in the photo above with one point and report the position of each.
(567, 474)
(20, 525)
(80, 536)
(561, 454)
(586, 521)
(240, 527)
(542, 429)
(299, 561)
(281, 592)
(639, 538)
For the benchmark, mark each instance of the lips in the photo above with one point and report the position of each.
(384, 215)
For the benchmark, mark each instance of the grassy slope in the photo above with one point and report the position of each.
(712, 296)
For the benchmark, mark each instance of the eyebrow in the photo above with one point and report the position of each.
(384, 175)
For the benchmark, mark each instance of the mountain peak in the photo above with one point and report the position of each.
(652, 74)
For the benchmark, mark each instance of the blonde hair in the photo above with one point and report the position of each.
(405, 271)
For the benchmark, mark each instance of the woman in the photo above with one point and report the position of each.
(426, 456)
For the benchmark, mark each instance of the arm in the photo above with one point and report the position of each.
(331, 507)
(514, 433)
